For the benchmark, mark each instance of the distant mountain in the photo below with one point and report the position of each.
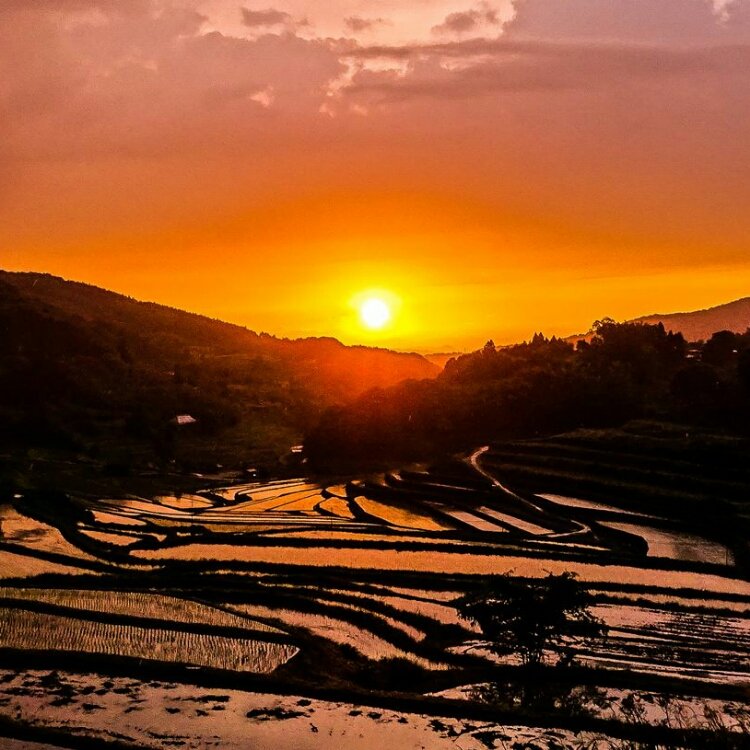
(698, 325)
(701, 324)
(442, 358)
(88, 369)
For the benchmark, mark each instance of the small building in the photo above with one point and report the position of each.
(183, 419)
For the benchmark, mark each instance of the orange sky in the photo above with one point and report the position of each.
(500, 168)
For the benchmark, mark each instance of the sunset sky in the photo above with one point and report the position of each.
(493, 168)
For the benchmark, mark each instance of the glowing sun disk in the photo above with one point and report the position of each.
(374, 313)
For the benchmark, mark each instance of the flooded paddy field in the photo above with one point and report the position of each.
(322, 613)
(159, 714)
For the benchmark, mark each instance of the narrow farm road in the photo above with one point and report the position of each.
(579, 528)
(474, 461)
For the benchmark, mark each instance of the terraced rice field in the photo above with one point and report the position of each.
(255, 578)
(21, 629)
(133, 604)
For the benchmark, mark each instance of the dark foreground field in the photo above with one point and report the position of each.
(313, 614)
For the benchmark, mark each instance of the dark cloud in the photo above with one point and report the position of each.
(468, 20)
(357, 23)
(267, 17)
(483, 66)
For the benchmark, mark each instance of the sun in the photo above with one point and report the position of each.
(375, 313)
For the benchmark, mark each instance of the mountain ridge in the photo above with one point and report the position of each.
(28, 280)
(694, 325)
(702, 324)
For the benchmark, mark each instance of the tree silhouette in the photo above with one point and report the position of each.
(721, 348)
(529, 618)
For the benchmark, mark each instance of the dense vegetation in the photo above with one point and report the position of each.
(103, 376)
(623, 372)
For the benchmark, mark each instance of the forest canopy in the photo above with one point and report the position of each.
(623, 371)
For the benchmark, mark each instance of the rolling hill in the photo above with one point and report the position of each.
(94, 372)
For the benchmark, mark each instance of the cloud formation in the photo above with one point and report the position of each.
(472, 20)
(271, 19)
(484, 66)
(679, 22)
(562, 138)
(358, 23)
(267, 17)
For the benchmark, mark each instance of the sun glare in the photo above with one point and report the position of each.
(374, 313)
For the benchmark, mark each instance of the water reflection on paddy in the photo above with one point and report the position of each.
(448, 563)
(676, 545)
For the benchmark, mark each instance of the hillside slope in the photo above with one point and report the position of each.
(85, 369)
(701, 324)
